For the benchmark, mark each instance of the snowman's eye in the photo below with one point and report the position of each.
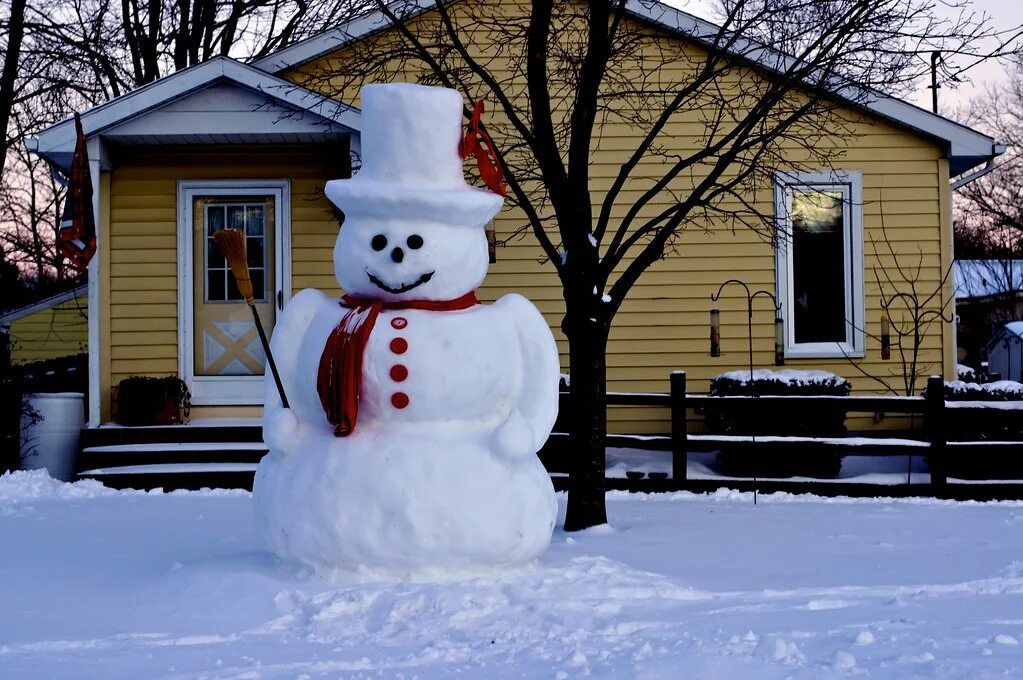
(415, 241)
(379, 242)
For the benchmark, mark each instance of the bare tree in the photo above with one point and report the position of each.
(66, 55)
(989, 211)
(13, 31)
(31, 196)
(763, 91)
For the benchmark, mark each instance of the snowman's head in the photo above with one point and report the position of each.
(402, 259)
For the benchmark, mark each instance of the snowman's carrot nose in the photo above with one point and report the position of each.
(479, 144)
(231, 244)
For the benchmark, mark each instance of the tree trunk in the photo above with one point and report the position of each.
(587, 423)
(9, 76)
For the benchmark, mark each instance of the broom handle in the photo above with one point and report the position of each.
(269, 355)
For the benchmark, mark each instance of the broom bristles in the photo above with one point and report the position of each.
(231, 244)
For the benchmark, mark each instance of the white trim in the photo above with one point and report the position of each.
(59, 139)
(226, 390)
(850, 182)
(335, 38)
(969, 147)
(45, 303)
(95, 273)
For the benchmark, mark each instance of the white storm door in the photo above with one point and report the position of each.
(220, 356)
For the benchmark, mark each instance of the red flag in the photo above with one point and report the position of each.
(76, 237)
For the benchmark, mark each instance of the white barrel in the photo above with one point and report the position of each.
(52, 442)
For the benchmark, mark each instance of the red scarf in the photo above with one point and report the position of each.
(339, 378)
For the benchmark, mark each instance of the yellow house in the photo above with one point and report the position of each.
(251, 145)
(54, 327)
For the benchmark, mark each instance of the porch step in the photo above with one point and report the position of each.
(235, 430)
(172, 476)
(216, 453)
(171, 453)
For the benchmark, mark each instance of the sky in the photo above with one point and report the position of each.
(1003, 13)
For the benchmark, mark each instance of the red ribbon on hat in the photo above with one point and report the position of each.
(479, 144)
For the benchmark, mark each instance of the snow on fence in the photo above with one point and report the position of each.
(953, 435)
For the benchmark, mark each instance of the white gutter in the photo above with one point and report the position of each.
(999, 149)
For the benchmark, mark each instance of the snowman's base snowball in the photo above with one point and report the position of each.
(402, 502)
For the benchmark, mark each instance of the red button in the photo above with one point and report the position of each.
(399, 400)
(399, 345)
(398, 373)
(399, 322)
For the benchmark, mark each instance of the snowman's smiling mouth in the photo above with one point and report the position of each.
(402, 288)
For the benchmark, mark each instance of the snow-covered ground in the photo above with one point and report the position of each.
(102, 584)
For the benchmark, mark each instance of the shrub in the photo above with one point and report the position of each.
(1001, 390)
(807, 418)
(145, 400)
(965, 373)
(787, 382)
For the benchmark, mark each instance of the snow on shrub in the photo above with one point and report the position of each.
(965, 373)
(1001, 390)
(784, 382)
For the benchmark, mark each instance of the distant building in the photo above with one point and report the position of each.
(1005, 352)
(57, 326)
(989, 294)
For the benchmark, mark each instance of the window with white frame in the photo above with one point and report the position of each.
(820, 262)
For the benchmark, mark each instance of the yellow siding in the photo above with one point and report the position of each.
(663, 325)
(143, 239)
(60, 331)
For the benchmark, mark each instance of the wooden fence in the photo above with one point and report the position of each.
(965, 438)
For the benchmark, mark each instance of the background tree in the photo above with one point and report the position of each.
(61, 56)
(989, 211)
(557, 73)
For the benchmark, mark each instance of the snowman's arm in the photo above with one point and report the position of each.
(292, 324)
(538, 399)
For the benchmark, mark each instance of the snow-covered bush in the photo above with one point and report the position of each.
(965, 373)
(807, 418)
(784, 382)
(1001, 390)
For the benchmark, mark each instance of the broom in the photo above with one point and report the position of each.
(231, 244)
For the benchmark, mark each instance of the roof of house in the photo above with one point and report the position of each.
(966, 148)
(21, 312)
(1012, 328)
(263, 105)
(986, 278)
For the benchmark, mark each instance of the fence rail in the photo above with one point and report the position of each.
(953, 434)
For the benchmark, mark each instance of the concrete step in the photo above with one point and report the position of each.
(171, 476)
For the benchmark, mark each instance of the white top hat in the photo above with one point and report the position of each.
(411, 166)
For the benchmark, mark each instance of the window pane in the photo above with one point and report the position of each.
(236, 217)
(213, 257)
(215, 285)
(818, 266)
(258, 284)
(215, 218)
(255, 220)
(254, 251)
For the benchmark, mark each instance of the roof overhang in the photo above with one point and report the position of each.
(264, 108)
(20, 313)
(965, 148)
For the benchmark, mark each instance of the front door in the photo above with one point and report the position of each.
(221, 355)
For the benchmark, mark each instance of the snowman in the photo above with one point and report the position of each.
(415, 411)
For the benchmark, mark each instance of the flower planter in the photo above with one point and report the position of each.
(143, 401)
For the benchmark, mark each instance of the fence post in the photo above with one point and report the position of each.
(935, 421)
(679, 444)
